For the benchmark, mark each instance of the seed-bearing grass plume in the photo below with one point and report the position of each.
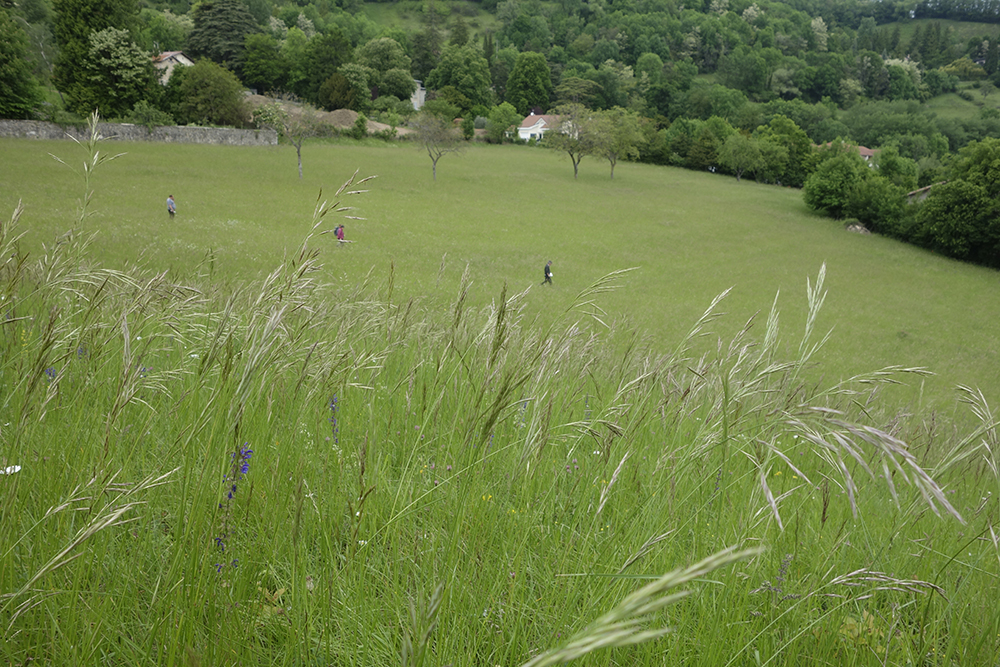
(624, 625)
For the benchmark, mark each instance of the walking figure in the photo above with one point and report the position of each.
(548, 273)
(171, 207)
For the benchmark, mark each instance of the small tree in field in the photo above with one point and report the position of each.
(575, 134)
(296, 128)
(741, 153)
(437, 136)
(617, 135)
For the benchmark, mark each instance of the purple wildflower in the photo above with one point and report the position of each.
(238, 469)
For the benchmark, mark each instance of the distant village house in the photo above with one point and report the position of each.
(167, 61)
(419, 95)
(866, 153)
(534, 127)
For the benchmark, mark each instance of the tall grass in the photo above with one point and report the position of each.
(291, 472)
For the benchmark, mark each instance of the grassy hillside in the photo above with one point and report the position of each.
(953, 106)
(412, 16)
(232, 461)
(502, 212)
(961, 31)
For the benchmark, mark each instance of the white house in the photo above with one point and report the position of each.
(535, 126)
(419, 95)
(167, 61)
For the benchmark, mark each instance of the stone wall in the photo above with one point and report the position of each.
(32, 129)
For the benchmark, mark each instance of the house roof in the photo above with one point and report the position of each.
(170, 55)
(862, 150)
(534, 120)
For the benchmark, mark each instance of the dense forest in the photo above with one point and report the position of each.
(748, 88)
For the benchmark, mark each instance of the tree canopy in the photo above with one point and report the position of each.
(19, 91)
(220, 31)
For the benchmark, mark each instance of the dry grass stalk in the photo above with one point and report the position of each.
(623, 625)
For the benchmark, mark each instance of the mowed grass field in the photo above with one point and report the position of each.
(502, 212)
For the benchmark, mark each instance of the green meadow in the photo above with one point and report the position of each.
(227, 440)
(502, 212)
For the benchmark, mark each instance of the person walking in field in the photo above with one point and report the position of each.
(171, 207)
(548, 273)
(340, 233)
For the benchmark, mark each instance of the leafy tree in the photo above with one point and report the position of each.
(337, 93)
(530, 83)
(502, 117)
(575, 134)
(118, 74)
(878, 204)
(75, 21)
(19, 92)
(897, 170)
(426, 52)
(359, 77)
(324, 55)
(704, 151)
(294, 127)
(979, 163)
(774, 160)
(442, 108)
(220, 31)
(163, 31)
(210, 95)
(829, 188)
(264, 68)
(436, 135)
(397, 83)
(465, 68)
(801, 158)
(618, 135)
(741, 153)
(744, 69)
(459, 32)
(293, 51)
(574, 89)
(959, 219)
(500, 69)
(389, 66)
(649, 66)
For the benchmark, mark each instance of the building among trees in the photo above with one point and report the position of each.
(167, 61)
(534, 126)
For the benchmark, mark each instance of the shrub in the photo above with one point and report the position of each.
(145, 114)
(832, 185)
(360, 128)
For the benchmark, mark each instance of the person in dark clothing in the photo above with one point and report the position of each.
(548, 273)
